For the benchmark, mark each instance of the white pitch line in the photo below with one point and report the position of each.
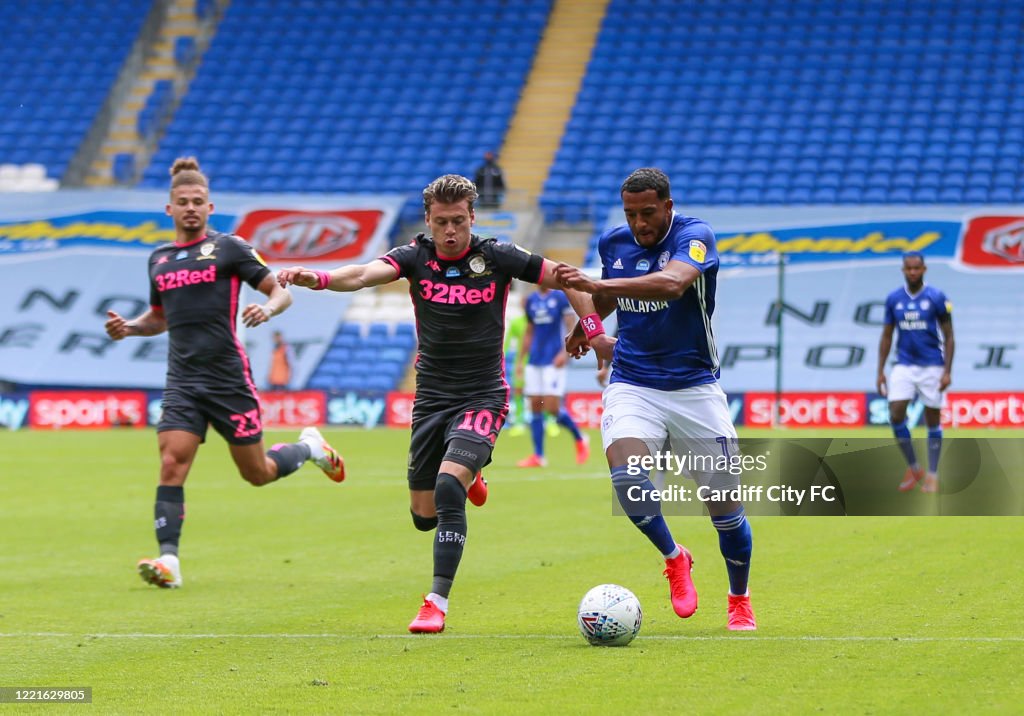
(552, 637)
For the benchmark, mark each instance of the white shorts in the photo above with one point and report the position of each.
(908, 381)
(539, 380)
(684, 421)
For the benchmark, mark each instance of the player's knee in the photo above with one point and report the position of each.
(423, 524)
(449, 494)
(173, 469)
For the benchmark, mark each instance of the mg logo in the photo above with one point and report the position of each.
(1006, 241)
(290, 234)
(305, 235)
(994, 241)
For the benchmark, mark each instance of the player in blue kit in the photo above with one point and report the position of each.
(548, 316)
(923, 365)
(659, 271)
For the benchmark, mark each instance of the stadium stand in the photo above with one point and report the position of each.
(791, 102)
(60, 61)
(332, 103)
(799, 102)
(373, 349)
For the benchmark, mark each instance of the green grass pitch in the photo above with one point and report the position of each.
(297, 595)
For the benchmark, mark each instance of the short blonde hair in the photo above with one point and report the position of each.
(185, 171)
(449, 189)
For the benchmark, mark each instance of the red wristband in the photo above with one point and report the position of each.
(592, 325)
(323, 278)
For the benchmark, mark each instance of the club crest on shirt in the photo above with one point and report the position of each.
(663, 260)
(643, 265)
(478, 265)
(924, 305)
(698, 251)
(206, 253)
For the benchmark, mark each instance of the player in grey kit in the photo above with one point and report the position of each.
(194, 286)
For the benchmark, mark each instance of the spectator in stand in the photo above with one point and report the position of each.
(490, 182)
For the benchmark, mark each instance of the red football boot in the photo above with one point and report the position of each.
(681, 589)
(429, 619)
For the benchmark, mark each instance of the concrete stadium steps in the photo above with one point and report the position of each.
(550, 93)
(181, 20)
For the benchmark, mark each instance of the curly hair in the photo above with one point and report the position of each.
(647, 178)
(449, 189)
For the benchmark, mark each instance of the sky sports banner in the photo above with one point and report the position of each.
(839, 410)
(102, 409)
(840, 264)
(136, 409)
(69, 257)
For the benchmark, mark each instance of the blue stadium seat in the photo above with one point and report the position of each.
(905, 107)
(61, 60)
(362, 98)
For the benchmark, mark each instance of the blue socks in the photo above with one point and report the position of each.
(902, 433)
(537, 431)
(565, 420)
(736, 543)
(903, 439)
(934, 448)
(735, 539)
(644, 513)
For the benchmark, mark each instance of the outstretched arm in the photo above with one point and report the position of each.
(666, 285)
(278, 300)
(346, 278)
(150, 323)
(579, 341)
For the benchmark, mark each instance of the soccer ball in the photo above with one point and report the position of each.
(609, 615)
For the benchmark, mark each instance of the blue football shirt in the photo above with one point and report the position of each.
(545, 313)
(916, 318)
(666, 345)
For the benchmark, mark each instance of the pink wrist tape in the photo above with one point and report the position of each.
(592, 325)
(323, 278)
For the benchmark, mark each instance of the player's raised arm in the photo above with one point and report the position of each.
(666, 285)
(150, 323)
(588, 332)
(345, 278)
